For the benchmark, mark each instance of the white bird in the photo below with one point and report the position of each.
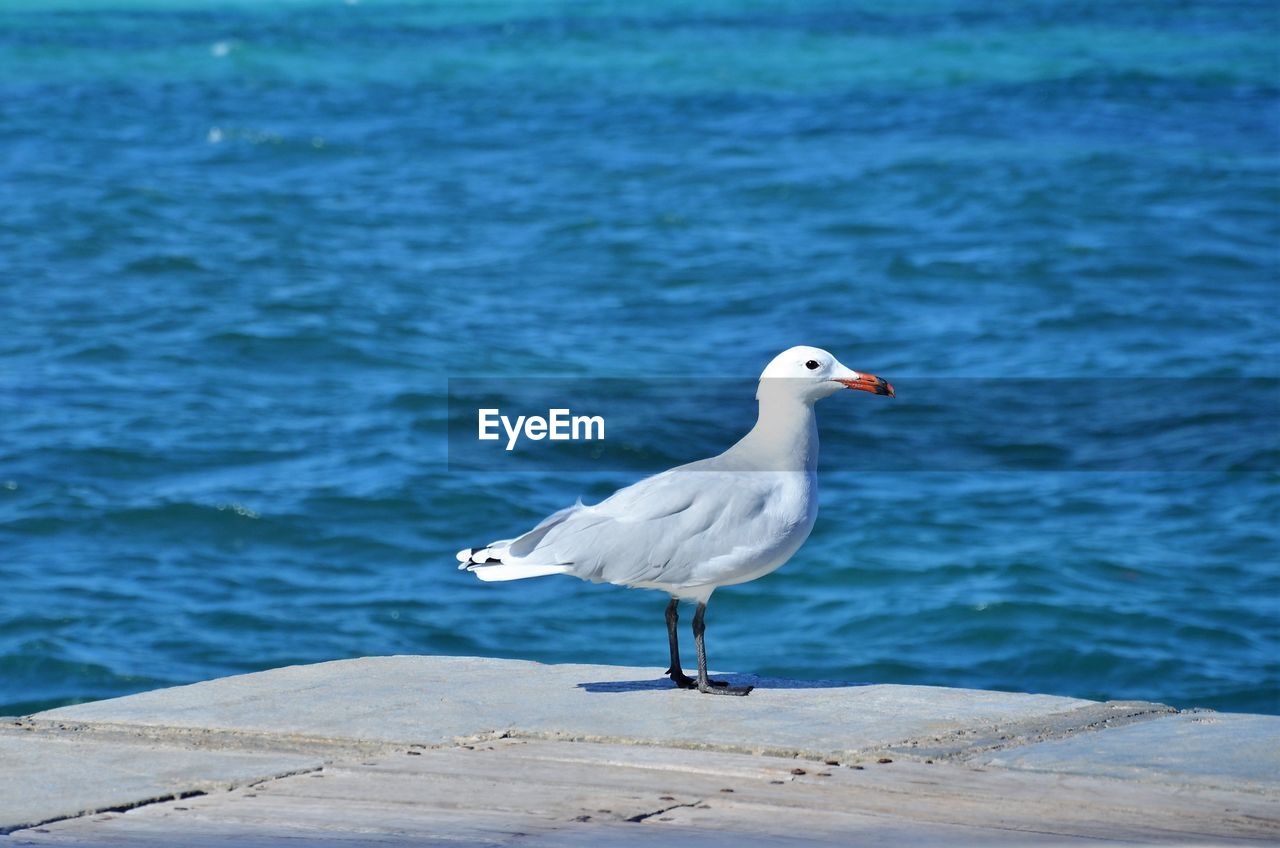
(715, 522)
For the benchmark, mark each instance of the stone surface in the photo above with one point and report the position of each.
(436, 699)
(439, 750)
(45, 777)
(1199, 748)
(520, 793)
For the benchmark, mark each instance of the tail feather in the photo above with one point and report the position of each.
(503, 560)
(490, 554)
(514, 571)
(493, 562)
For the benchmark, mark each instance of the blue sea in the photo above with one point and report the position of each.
(247, 248)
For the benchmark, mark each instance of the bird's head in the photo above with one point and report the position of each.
(810, 374)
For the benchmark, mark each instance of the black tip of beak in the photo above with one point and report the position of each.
(883, 387)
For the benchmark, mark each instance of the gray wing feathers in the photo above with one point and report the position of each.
(658, 531)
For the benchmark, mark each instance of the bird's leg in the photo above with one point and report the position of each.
(711, 687)
(678, 677)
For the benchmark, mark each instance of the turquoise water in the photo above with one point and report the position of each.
(245, 246)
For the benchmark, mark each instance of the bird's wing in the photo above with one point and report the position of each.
(661, 530)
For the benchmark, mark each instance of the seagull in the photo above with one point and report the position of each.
(694, 528)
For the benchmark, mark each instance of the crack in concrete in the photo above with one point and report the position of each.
(639, 817)
(203, 739)
(965, 743)
(227, 786)
(955, 745)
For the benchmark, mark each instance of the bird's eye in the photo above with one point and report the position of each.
(812, 365)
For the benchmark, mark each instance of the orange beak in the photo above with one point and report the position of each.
(869, 383)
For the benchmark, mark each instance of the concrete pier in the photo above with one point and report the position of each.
(463, 751)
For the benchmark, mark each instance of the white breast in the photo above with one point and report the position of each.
(786, 519)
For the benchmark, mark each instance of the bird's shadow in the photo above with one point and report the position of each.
(665, 684)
